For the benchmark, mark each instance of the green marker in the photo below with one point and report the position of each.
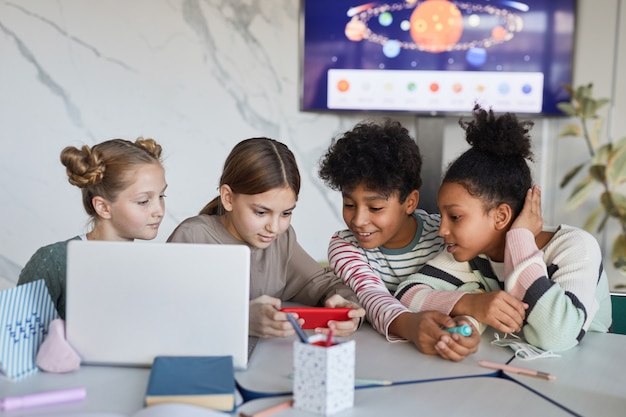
(465, 330)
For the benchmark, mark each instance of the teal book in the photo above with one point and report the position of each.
(205, 381)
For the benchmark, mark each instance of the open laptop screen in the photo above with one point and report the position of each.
(128, 302)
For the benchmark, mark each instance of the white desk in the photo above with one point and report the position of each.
(270, 364)
(475, 396)
(590, 378)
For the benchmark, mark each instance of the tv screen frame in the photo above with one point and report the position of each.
(399, 57)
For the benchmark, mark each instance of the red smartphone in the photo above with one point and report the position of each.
(318, 316)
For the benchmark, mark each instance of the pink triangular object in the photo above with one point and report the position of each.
(55, 353)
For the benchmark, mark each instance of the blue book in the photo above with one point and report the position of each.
(205, 381)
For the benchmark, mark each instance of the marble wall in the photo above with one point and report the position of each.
(196, 75)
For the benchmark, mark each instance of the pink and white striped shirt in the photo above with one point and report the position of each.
(374, 274)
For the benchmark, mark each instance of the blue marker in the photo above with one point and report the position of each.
(465, 330)
(303, 337)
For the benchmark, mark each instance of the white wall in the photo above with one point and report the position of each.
(199, 76)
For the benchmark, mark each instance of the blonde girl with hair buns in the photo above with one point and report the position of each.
(123, 185)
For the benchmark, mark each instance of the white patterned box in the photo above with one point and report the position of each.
(323, 380)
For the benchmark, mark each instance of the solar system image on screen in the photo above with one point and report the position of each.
(436, 56)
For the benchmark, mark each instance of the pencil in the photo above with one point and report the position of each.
(303, 337)
(268, 411)
(516, 370)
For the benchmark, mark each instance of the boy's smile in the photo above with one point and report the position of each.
(377, 220)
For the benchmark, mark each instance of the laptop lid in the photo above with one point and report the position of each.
(128, 302)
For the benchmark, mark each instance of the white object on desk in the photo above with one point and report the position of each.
(323, 381)
(128, 302)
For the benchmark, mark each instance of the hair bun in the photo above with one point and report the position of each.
(150, 145)
(503, 136)
(84, 166)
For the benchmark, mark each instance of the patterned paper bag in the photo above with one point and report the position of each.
(25, 314)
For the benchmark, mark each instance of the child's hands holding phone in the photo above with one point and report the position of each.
(266, 320)
(346, 327)
(339, 314)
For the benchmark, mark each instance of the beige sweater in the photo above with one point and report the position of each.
(283, 270)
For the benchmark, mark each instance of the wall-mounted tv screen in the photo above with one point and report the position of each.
(436, 56)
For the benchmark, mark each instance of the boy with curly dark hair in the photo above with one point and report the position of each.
(376, 167)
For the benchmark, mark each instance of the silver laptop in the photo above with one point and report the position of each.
(128, 302)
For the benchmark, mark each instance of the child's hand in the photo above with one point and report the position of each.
(424, 329)
(455, 347)
(265, 319)
(530, 217)
(499, 309)
(343, 328)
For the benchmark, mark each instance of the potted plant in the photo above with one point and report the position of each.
(605, 168)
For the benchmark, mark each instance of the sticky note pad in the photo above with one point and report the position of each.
(205, 381)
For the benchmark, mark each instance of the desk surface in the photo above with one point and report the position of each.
(474, 396)
(587, 375)
(109, 389)
(270, 364)
(591, 380)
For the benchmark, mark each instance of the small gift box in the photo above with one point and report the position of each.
(323, 376)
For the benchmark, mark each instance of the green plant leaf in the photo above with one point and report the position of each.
(614, 204)
(619, 200)
(605, 219)
(616, 166)
(603, 153)
(618, 255)
(571, 174)
(593, 219)
(588, 108)
(583, 91)
(601, 102)
(570, 129)
(580, 193)
(567, 108)
(597, 172)
(594, 134)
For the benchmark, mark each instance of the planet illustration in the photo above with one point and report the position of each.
(385, 19)
(392, 48)
(436, 25)
(355, 30)
(476, 57)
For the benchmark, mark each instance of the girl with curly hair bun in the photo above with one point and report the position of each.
(501, 265)
(123, 186)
